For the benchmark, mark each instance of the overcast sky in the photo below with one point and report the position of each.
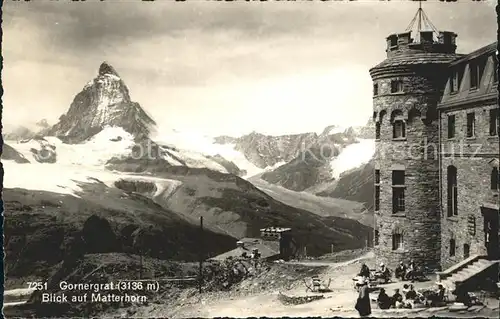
(216, 67)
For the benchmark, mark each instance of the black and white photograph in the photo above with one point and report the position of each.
(204, 159)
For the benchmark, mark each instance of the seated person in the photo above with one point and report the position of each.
(365, 271)
(382, 268)
(411, 294)
(410, 272)
(406, 288)
(383, 300)
(436, 297)
(383, 272)
(441, 292)
(400, 271)
(419, 301)
(397, 299)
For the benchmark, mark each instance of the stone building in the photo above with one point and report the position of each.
(468, 115)
(422, 89)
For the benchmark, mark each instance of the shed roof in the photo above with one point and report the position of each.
(266, 248)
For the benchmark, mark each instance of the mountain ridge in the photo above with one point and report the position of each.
(104, 101)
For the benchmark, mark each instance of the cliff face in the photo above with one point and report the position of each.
(104, 101)
(265, 150)
(356, 185)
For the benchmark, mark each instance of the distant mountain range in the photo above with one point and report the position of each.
(106, 162)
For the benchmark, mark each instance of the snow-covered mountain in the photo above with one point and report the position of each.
(265, 150)
(316, 160)
(104, 101)
(21, 132)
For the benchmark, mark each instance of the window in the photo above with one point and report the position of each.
(471, 122)
(494, 122)
(398, 200)
(466, 251)
(451, 126)
(399, 129)
(476, 72)
(452, 191)
(454, 82)
(397, 241)
(398, 191)
(452, 247)
(396, 86)
(474, 80)
(377, 176)
(494, 179)
(377, 130)
(375, 89)
(398, 178)
(377, 238)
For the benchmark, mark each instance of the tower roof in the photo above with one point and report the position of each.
(419, 58)
(421, 23)
(420, 44)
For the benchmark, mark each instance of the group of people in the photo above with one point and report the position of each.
(410, 298)
(382, 272)
(410, 272)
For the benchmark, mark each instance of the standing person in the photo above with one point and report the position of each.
(363, 302)
(365, 271)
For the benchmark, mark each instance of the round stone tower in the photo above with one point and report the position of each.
(407, 87)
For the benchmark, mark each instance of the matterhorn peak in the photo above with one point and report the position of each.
(106, 68)
(104, 101)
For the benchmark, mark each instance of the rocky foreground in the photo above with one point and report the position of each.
(271, 290)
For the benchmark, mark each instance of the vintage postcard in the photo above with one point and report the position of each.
(201, 159)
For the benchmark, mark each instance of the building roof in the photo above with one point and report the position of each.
(275, 229)
(266, 248)
(490, 48)
(418, 58)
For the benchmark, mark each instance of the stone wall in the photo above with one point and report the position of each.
(417, 154)
(472, 157)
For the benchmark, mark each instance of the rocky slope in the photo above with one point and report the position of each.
(104, 101)
(355, 185)
(9, 153)
(45, 228)
(230, 205)
(312, 165)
